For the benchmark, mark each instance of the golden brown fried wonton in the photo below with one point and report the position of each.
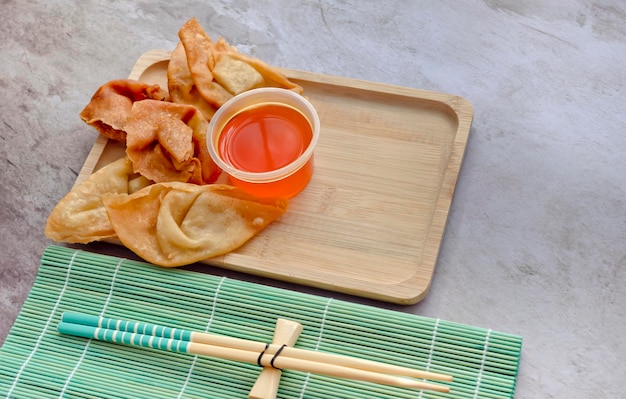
(167, 142)
(220, 72)
(174, 224)
(111, 103)
(182, 88)
(200, 60)
(80, 216)
(272, 76)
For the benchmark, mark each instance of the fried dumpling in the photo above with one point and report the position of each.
(80, 216)
(167, 142)
(220, 72)
(198, 48)
(230, 67)
(174, 224)
(111, 104)
(180, 83)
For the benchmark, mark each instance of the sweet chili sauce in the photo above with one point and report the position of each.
(265, 138)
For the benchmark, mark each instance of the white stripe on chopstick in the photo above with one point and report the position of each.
(208, 326)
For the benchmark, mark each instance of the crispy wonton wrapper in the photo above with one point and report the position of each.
(228, 63)
(180, 83)
(167, 142)
(220, 72)
(80, 216)
(111, 104)
(175, 224)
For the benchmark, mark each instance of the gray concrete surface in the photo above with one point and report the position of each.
(536, 239)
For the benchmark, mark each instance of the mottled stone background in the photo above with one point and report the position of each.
(536, 239)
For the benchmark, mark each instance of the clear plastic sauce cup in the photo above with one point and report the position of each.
(264, 140)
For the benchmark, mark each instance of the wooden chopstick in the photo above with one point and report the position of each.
(185, 341)
(222, 352)
(250, 345)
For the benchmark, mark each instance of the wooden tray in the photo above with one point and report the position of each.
(371, 220)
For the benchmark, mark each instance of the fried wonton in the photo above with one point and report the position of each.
(182, 88)
(220, 72)
(272, 76)
(167, 142)
(236, 76)
(80, 216)
(175, 224)
(111, 104)
(200, 60)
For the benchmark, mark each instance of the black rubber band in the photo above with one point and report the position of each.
(258, 361)
(276, 355)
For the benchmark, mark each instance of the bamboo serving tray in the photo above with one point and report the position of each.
(371, 221)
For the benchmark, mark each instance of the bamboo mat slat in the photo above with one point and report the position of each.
(37, 362)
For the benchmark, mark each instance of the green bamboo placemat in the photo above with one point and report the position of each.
(37, 362)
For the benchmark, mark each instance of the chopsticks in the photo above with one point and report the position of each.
(281, 357)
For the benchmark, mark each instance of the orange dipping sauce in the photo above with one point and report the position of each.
(264, 138)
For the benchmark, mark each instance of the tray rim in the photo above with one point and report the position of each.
(402, 292)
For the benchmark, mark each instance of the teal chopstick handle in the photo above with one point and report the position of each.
(80, 318)
(124, 337)
(124, 325)
(76, 329)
